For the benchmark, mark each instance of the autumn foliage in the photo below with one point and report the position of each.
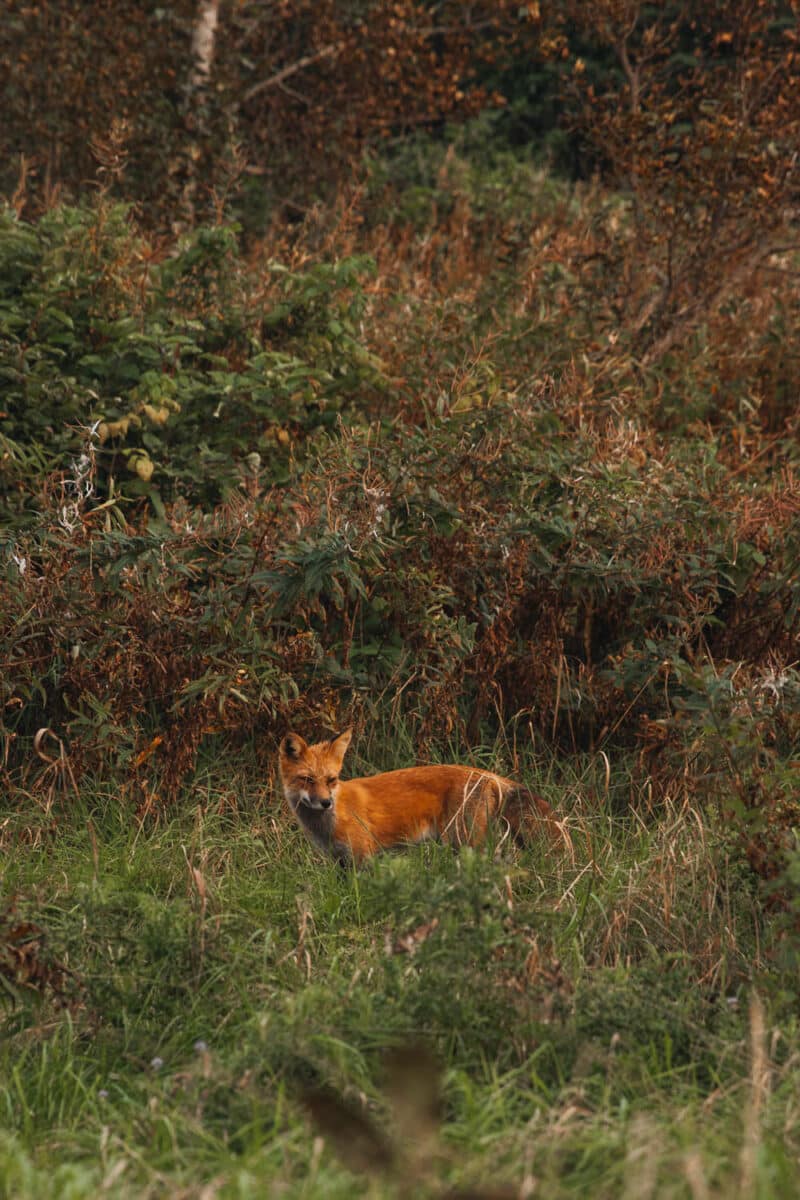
(699, 120)
(299, 88)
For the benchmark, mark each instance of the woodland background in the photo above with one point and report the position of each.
(431, 367)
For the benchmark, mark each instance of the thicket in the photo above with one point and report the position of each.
(298, 89)
(692, 97)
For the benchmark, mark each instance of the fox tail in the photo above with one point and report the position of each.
(530, 817)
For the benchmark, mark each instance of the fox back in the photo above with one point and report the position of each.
(355, 818)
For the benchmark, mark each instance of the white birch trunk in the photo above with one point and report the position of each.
(203, 36)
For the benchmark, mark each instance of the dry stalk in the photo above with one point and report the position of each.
(759, 1090)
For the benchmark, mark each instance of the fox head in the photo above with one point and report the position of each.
(310, 774)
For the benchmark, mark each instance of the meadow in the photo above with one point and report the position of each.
(209, 1006)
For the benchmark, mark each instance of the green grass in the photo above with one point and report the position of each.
(593, 1020)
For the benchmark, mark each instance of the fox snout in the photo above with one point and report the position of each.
(313, 800)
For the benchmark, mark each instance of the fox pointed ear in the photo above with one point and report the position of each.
(338, 745)
(293, 746)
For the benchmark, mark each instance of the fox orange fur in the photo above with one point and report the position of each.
(355, 818)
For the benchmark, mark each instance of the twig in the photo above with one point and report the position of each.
(326, 52)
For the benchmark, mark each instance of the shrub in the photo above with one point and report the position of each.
(192, 373)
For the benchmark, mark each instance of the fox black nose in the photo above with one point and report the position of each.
(326, 801)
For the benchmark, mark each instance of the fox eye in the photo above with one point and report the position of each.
(331, 780)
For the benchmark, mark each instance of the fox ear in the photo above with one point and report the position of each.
(339, 744)
(293, 746)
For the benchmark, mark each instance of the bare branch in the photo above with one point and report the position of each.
(308, 60)
(631, 72)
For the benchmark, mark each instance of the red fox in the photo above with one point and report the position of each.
(355, 818)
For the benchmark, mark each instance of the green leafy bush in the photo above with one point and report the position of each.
(192, 373)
